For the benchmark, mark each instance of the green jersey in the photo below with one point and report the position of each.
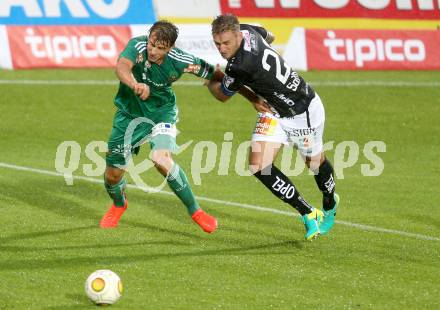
(158, 77)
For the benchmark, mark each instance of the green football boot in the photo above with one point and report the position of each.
(311, 222)
(329, 218)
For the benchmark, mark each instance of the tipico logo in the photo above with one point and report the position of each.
(61, 47)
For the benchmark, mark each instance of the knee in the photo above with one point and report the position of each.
(113, 175)
(255, 163)
(162, 161)
(159, 158)
(314, 162)
(254, 168)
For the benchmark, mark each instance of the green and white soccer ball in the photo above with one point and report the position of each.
(103, 287)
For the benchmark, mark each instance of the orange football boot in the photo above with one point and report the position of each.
(112, 216)
(207, 222)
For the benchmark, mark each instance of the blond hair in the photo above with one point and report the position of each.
(227, 22)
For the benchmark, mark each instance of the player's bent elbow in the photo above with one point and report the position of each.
(222, 98)
(215, 90)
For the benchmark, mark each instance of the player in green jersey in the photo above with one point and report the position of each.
(147, 112)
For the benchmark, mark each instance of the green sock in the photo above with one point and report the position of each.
(179, 184)
(116, 192)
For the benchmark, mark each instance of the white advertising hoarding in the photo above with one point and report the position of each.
(195, 39)
(5, 55)
(187, 8)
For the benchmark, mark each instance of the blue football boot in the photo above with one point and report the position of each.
(311, 222)
(329, 218)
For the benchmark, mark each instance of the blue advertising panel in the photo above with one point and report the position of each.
(76, 12)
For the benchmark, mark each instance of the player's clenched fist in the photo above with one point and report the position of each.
(142, 90)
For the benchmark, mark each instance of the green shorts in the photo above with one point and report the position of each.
(128, 134)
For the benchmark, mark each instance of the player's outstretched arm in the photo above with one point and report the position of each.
(215, 87)
(124, 74)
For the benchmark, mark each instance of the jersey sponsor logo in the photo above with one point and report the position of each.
(285, 99)
(66, 46)
(305, 138)
(172, 78)
(192, 68)
(302, 132)
(266, 124)
(153, 83)
(140, 58)
(45, 12)
(247, 40)
(391, 9)
(284, 188)
(164, 83)
(254, 44)
(250, 42)
(228, 81)
(295, 81)
(306, 143)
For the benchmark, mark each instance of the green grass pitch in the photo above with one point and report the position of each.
(384, 253)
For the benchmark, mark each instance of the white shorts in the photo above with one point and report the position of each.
(303, 131)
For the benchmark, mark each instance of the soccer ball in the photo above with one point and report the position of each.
(103, 287)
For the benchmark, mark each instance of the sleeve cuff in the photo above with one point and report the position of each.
(226, 91)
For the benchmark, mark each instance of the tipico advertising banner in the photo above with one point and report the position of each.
(71, 47)
(76, 12)
(387, 9)
(363, 49)
(24, 47)
(67, 33)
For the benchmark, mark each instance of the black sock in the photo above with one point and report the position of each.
(281, 186)
(326, 184)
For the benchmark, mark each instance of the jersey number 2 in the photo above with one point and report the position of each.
(279, 75)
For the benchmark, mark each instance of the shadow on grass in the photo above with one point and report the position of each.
(20, 249)
(80, 301)
(71, 203)
(274, 226)
(279, 248)
(53, 196)
(153, 228)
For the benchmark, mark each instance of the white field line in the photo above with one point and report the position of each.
(200, 83)
(231, 203)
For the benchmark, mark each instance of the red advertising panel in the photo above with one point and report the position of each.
(392, 9)
(66, 46)
(372, 49)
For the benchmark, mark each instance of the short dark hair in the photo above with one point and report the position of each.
(165, 32)
(227, 22)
